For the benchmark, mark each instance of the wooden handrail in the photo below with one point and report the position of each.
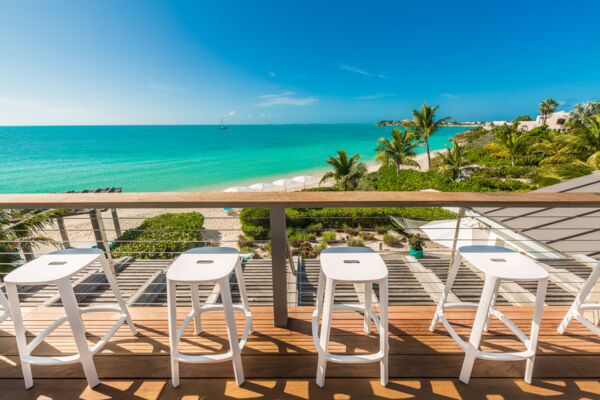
(297, 199)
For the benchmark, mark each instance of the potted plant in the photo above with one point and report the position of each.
(415, 243)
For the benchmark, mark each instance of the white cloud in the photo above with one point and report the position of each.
(272, 74)
(451, 96)
(230, 113)
(352, 68)
(166, 88)
(376, 96)
(562, 103)
(38, 105)
(300, 101)
(283, 94)
(357, 70)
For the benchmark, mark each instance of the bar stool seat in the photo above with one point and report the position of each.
(56, 268)
(201, 265)
(351, 265)
(497, 264)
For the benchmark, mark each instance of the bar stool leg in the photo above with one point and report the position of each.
(477, 331)
(493, 304)
(196, 308)
(320, 294)
(172, 309)
(383, 332)
(232, 331)
(535, 326)
(325, 329)
(77, 328)
(108, 272)
(580, 299)
(17, 317)
(449, 282)
(368, 291)
(239, 277)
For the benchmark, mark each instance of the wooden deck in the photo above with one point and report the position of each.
(280, 363)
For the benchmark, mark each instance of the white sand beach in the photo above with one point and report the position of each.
(221, 226)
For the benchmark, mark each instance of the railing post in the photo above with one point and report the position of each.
(63, 232)
(115, 218)
(278, 259)
(96, 229)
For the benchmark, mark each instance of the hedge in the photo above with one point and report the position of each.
(163, 236)
(255, 221)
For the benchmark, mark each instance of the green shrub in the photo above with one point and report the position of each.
(350, 229)
(305, 250)
(391, 240)
(322, 246)
(266, 246)
(379, 229)
(243, 241)
(365, 235)
(315, 228)
(163, 236)
(248, 249)
(329, 236)
(355, 242)
(505, 171)
(297, 237)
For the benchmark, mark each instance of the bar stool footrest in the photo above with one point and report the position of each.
(212, 357)
(482, 354)
(54, 360)
(356, 307)
(343, 358)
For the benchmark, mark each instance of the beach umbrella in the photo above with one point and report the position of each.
(237, 189)
(283, 182)
(261, 186)
(304, 179)
(471, 232)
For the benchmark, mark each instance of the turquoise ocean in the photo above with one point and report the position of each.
(177, 158)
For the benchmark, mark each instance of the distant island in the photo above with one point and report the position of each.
(452, 123)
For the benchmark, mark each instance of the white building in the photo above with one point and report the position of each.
(492, 124)
(556, 121)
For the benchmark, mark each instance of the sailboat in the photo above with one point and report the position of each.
(222, 126)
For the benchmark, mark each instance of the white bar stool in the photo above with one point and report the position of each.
(57, 267)
(498, 264)
(356, 265)
(201, 265)
(579, 304)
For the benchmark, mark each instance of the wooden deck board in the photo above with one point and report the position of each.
(281, 363)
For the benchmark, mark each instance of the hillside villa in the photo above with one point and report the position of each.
(555, 121)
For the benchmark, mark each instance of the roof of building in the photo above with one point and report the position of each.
(568, 230)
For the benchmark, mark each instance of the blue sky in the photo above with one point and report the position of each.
(143, 62)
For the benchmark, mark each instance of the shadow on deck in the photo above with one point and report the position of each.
(280, 363)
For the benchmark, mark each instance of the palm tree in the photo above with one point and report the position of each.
(453, 160)
(424, 124)
(558, 148)
(551, 174)
(547, 107)
(347, 172)
(513, 141)
(587, 140)
(398, 151)
(21, 229)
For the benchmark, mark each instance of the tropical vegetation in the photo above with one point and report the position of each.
(425, 124)
(346, 171)
(163, 236)
(399, 150)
